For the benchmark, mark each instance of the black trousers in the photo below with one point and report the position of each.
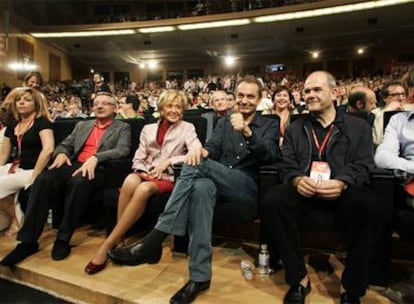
(358, 212)
(57, 186)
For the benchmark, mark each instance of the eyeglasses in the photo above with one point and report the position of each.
(103, 103)
(402, 94)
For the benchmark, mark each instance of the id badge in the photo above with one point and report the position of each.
(14, 166)
(320, 171)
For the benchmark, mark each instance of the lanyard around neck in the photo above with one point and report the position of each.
(19, 135)
(321, 147)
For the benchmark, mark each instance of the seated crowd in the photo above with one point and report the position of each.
(324, 152)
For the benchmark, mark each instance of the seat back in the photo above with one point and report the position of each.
(387, 117)
(136, 128)
(62, 128)
(200, 124)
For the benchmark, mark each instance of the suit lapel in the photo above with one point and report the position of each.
(111, 129)
(83, 136)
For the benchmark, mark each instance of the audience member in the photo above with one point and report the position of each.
(396, 152)
(281, 107)
(360, 100)
(325, 165)
(394, 97)
(31, 136)
(408, 80)
(33, 80)
(231, 99)
(74, 109)
(220, 103)
(265, 101)
(227, 167)
(5, 90)
(221, 107)
(100, 84)
(128, 107)
(299, 105)
(76, 171)
(162, 145)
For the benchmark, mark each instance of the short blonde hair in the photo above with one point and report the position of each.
(169, 96)
(41, 106)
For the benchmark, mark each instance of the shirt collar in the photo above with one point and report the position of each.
(339, 118)
(104, 126)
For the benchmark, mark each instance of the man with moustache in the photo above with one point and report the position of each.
(227, 167)
(326, 158)
(71, 179)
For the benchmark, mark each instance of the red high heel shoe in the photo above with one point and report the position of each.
(93, 268)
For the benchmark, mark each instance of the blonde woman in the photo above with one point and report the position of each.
(30, 136)
(162, 145)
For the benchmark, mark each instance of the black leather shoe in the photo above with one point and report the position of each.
(61, 250)
(189, 292)
(346, 298)
(297, 294)
(18, 254)
(141, 252)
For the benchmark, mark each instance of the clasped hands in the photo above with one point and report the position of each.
(86, 170)
(326, 189)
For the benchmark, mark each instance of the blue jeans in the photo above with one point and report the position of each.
(191, 207)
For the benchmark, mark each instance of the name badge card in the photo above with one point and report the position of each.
(320, 171)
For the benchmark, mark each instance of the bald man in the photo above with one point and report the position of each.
(326, 160)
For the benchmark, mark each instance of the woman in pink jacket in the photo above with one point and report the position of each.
(162, 145)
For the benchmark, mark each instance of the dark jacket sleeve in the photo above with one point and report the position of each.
(291, 166)
(264, 145)
(361, 158)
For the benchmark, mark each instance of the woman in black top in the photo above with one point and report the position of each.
(27, 147)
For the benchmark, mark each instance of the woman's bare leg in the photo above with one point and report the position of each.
(131, 213)
(7, 204)
(128, 188)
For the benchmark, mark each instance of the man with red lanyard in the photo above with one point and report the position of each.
(72, 177)
(326, 161)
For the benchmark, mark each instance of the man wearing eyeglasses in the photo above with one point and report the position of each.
(71, 179)
(394, 96)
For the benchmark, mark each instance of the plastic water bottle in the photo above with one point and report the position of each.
(49, 217)
(247, 269)
(264, 268)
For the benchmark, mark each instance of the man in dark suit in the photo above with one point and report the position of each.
(71, 179)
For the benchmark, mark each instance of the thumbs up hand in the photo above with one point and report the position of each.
(239, 124)
(237, 121)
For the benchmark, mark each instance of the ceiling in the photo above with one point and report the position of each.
(336, 36)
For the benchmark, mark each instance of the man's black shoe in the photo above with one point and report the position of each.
(19, 253)
(297, 294)
(189, 292)
(61, 250)
(346, 298)
(141, 252)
